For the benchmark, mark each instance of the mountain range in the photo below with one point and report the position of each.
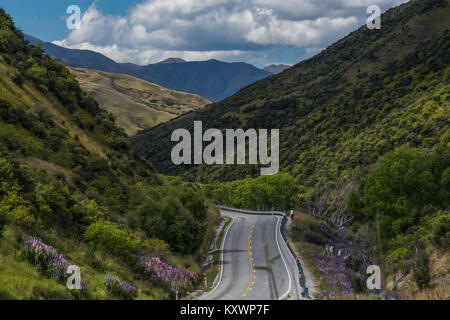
(212, 79)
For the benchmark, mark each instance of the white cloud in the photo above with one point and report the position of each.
(221, 29)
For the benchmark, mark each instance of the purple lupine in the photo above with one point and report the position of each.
(345, 273)
(164, 272)
(126, 290)
(44, 256)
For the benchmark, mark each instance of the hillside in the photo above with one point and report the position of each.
(213, 79)
(137, 104)
(74, 192)
(339, 111)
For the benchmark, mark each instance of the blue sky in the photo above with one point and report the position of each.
(260, 32)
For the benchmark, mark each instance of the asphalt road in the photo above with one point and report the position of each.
(243, 255)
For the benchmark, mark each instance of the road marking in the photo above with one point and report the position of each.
(221, 258)
(250, 257)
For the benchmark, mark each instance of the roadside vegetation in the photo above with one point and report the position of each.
(72, 191)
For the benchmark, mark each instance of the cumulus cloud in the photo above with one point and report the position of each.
(223, 29)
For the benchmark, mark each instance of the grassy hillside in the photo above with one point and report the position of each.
(364, 133)
(137, 104)
(72, 191)
(339, 111)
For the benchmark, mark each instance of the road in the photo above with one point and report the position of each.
(242, 255)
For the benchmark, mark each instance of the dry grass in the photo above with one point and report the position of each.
(50, 167)
(136, 103)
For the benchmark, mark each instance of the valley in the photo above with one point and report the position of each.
(137, 175)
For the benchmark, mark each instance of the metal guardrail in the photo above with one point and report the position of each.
(264, 213)
(301, 275)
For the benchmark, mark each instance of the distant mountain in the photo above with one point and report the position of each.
(214, 80)
(276, 68)
(172, 60)
(136, 103)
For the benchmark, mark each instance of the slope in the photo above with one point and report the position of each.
(69, 177)
(137, 104)
(337, 112)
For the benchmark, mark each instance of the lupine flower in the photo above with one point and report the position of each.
(115, 287)
(44, 256)
(164, 272)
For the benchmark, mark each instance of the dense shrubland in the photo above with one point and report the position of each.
(407, 200)
(69, 177)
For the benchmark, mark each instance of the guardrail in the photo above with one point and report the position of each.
(301, 275)
(264, 213)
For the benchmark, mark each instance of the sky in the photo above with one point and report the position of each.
(260, 32)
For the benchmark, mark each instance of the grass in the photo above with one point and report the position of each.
(32, 99)
(213, 271)
(21, 280)
(136, 103)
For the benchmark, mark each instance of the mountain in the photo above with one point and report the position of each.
(276, 68)
(338, 112)
(172, 60)
(137, 104)
(213, 79)
(73, 191)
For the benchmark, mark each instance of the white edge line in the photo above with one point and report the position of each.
(221, 259)
(284, 261)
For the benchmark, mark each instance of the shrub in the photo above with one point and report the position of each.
(18, 79)
(441, 230)
(168, 220)
(88, 212)
(123, 290)
(114, 240)
(422, 269)
(14, 208)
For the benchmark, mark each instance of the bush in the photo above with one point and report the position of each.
(112, 239)
(422, 269)
(168, 220)
(441, 230)
(88, 212)
(18, 79)
(17, 210)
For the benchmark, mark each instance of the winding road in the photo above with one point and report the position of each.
(243, 258)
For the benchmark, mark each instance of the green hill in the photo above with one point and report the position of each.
(339, 111)
(137, 104)
(69, 177)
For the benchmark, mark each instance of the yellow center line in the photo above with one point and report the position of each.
(250, 257)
